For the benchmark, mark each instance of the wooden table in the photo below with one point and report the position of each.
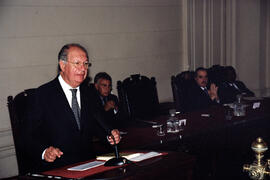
(174, 165)
(221, 146)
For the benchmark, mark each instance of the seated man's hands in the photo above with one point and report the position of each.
(51, 153)
(213, 92)
(116, 134)
(110, 105)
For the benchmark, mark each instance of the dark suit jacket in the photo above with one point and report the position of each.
(227, 93)
(111, 118)
(52, 123)
(197, 99)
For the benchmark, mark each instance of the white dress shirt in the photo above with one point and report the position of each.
(234, 85)
(66, 88)
(204, 89)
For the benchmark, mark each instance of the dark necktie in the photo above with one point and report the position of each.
(103, 100)
(75, 107)
(206, 91)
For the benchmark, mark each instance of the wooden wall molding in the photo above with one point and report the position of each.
(231, 32)
(6, 143)
(7, 151)
(211, 32)
(5, 132)
(94, 3)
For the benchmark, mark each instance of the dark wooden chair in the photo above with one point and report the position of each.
(177, 94)
(19, 107)
(216, 74)
(138, 97)
(180, 84)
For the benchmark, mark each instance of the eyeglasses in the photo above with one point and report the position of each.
(85, 64)
(106, 86)
(202, 77)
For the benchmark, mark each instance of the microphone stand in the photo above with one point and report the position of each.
(117, 160)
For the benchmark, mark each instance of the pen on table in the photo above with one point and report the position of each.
(47, 176)
(36, 175)
(148, 122)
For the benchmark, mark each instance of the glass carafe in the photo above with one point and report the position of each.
(239, 108)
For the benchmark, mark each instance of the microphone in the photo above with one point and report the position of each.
(116, 153)
(117, 160)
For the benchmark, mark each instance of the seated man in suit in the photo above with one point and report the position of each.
(107, 101)
(198, 96)
(60, 128)
(230, 88)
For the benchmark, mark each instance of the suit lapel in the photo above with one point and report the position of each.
(63, 103)
(204, 97)
(84, 107)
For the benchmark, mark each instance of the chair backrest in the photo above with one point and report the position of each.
(138, 97)
(180, 84)
(216, 74)
(18, 108)
(177, 95)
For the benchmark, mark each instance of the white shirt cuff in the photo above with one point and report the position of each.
(42, 156)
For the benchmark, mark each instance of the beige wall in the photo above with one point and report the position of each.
(248, 43)
(123, 37)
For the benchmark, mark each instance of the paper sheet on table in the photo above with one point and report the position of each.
(144, 156)
(136, 157)
(86, 166)
(128, 156)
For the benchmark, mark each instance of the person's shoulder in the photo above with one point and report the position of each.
(112, 96)
(194, 86)
(91, 88)
(240, 83)
(91, 92)
(48, 86)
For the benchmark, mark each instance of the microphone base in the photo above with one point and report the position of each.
(117, 161)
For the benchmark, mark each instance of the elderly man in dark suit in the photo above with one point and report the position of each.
(230, 88)
(198, 96)
(61, 127)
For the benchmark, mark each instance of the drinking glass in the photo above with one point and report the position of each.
(160, 131)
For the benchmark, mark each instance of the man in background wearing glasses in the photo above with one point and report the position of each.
(199, 96)
(61, 126)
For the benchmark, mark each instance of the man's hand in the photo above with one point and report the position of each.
(52, 153)
(116, 134)
(213, 92)
(109, 105)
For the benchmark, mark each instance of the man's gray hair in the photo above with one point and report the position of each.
(63, 53)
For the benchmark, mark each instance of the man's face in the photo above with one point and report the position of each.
(202, 78)
(104, 87)
(72, 73)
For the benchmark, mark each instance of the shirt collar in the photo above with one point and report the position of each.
(65, 85)
(203, 88)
